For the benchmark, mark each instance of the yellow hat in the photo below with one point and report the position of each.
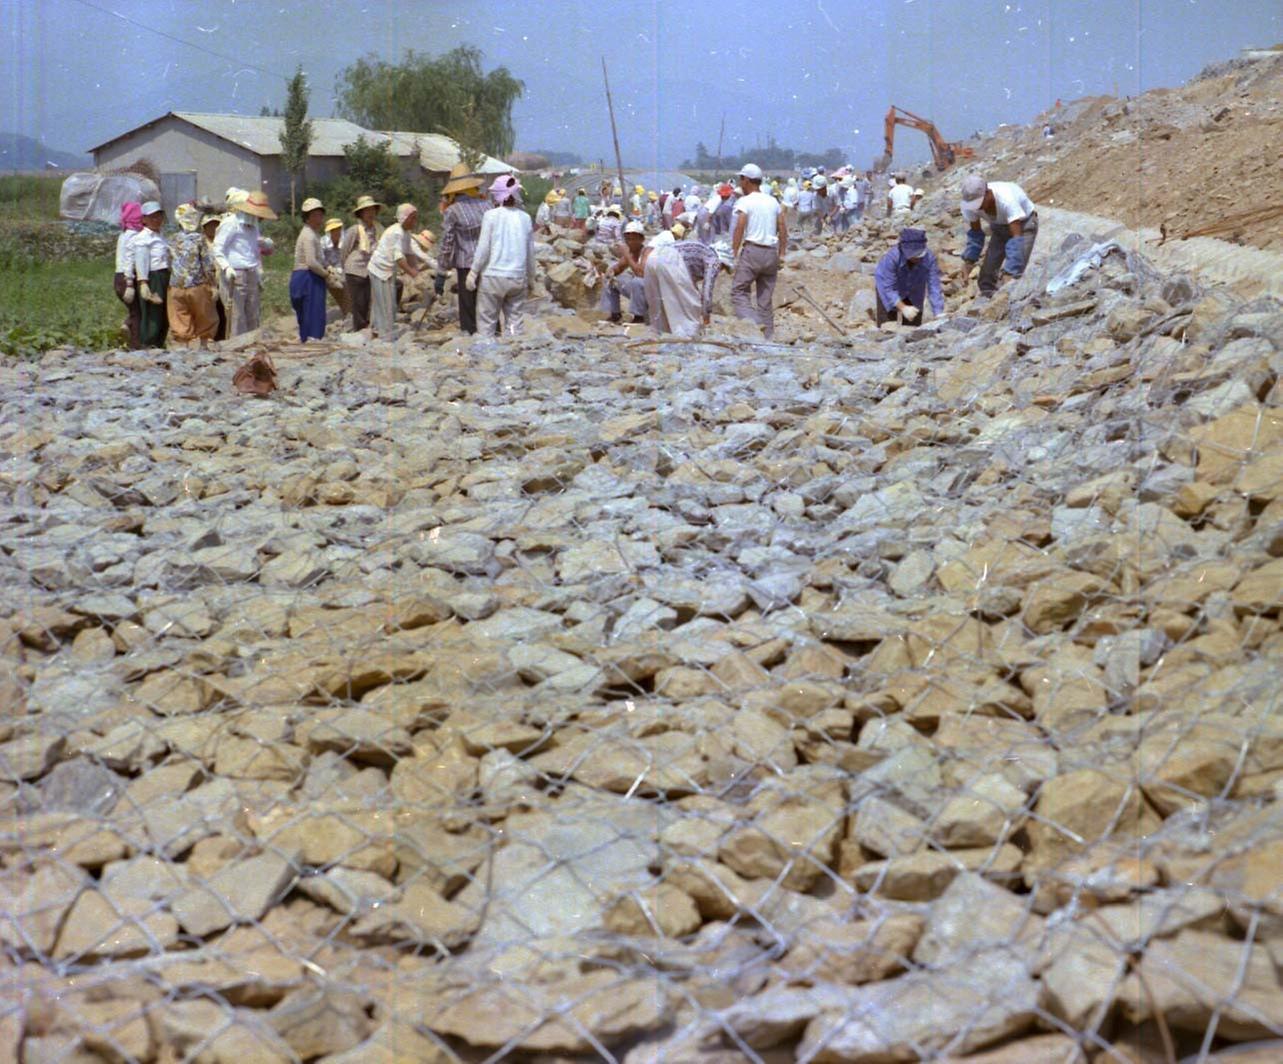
(639, 189)
(678, 230)
(461, 179)
(552, 197)
(332, 224)
(653, 195)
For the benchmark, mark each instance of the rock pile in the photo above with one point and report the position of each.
(910, 697)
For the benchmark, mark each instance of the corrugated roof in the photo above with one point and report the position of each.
(440, 154)
(261, 134)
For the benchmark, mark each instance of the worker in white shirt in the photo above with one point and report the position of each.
(900, 199)
(1013, 228)
(238, 255)
(503, 269)
(131, 221)
(759, 243)
(151, 267)
(396, 251)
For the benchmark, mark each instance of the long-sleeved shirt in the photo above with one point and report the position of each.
(308, 254)
(330, 253)
(192, 262)
(150, 253)
(723, 216)
(806, 201)
(394, 245)
(702, 264)
(506, 247)
(610, 230)
(460, 231)
(236, 244)
(125, 253)
(356, 252)
(897, 278)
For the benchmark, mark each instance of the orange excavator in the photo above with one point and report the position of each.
(944, 152)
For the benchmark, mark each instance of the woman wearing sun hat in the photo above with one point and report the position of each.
(239, 259)
(307, 281)
(359, 242)
(460, 231)
(192, 315)
(151, 267)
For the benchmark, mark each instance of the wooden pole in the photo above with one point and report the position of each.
(720, 134)
(614, 132)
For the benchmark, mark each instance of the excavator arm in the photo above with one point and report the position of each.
(944, 153)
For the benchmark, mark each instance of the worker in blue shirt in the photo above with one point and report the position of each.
(905, 276)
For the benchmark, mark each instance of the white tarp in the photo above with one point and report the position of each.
(89, 197)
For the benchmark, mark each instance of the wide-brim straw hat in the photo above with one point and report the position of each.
(461, 180)
(256, 204)
(311, 204)
(365, 201)
(332, 224)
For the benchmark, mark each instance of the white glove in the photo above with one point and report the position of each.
(147, 294)
(229, 275)
(910, 313)
(128, 297)
(470, 282)
(262, 279)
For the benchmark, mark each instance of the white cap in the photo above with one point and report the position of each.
(751, 171)
(974, 188)
(819, 181)
(918, 192)
(635, 227)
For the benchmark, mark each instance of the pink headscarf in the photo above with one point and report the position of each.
(506, 189)
(131, 216)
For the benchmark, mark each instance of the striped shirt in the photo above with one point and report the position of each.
(702, 264)
(460, 231)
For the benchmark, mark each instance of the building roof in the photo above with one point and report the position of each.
(439, 153)
(261, 134)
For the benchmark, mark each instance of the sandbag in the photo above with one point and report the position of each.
(256, 378)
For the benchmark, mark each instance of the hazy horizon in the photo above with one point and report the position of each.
(820, 75)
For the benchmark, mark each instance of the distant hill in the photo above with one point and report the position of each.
(19, 152)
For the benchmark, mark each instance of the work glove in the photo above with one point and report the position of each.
(1014, 260)
(438, 284)
(910, 313)
(128, 297)
(262, 280)
(975, 245)
(470, 282)
(229, 275)
(147, 294)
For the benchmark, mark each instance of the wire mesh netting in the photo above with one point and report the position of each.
(910, 698)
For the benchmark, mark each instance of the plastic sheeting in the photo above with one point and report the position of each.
(89, 197)
(1088, 260)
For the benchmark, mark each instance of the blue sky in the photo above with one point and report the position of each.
(815, 74)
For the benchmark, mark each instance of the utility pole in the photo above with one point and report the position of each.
(720, 133)
(610, 106)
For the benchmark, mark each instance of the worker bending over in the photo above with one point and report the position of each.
(1013, 228)
(904, 277)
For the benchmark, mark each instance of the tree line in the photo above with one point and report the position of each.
(772, 156)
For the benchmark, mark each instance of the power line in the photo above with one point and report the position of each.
(178, 40)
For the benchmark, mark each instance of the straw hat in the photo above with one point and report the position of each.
(332, 224)
(461, 179)
(365, 201)
(187, 215)
(311, 204)
(256, 204)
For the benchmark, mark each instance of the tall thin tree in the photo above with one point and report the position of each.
(296, 133)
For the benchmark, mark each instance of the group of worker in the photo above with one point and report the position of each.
(205, 282)
(201, 284)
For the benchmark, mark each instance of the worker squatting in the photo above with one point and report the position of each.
(669, 248)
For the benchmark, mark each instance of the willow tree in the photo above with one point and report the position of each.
(448, 94)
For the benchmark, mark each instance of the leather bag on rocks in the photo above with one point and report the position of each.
(256, 377)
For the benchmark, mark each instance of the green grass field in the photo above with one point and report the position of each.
(56, 286)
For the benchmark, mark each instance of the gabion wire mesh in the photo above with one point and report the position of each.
(910, 698)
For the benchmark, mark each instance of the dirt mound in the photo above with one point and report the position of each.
(1184, 159)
